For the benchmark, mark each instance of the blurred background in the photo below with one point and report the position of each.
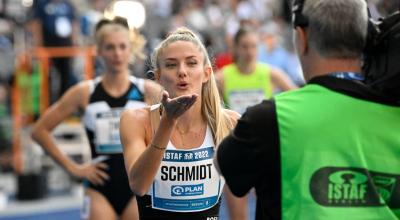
(42, 56)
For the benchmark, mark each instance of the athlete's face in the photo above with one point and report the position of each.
(115, 51)
(246, 48)
(181, 69)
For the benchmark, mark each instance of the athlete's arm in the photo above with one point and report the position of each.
(280, 79)
(70, 102)
(133, 134)
(143, 158)
(233, 116)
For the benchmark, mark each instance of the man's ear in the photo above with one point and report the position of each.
(207, 73)
(301, 41)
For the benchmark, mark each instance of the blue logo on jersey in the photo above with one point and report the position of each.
(187, 190)
(134, 94)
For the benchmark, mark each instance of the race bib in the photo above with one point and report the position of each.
(240, 100)
(63, 27)
(187, 181)
(107, 132)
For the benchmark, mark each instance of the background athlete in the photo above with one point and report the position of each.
(101, 101)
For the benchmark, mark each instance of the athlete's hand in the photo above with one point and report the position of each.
(94, 172)
(175, 107)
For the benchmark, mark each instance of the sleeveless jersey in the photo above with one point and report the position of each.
(186, 185)
(244, 90)
(101, 121)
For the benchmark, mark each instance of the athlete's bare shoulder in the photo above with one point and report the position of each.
(139, 115)
(137, 120)
(81, 91)
(234, 116)
(153, 91)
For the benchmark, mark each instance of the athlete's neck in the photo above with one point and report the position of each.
(246, 68)
(116, 84)
(192, 119)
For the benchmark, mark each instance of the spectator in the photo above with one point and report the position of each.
(329, 150)
(272, 52)
(54, 24)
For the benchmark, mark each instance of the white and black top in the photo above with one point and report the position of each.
(186, 186)
(101, 120)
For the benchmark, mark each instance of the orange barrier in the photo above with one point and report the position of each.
(17, 125)
(43, 55)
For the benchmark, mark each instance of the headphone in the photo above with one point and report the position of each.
(298, 19)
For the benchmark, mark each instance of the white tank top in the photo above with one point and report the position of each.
(187, 180)
(102, 114)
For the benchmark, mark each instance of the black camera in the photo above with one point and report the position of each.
(382, 55)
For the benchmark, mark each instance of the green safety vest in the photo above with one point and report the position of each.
(243, 90)
(340, 156)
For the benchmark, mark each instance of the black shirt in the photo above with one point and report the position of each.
(250, 156)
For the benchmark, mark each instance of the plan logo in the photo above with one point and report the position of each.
(187, 190)
(354, 187)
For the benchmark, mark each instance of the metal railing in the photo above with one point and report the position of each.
(43, 55)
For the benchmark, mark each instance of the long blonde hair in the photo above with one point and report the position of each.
(211, 105)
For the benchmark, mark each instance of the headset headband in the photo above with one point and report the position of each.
(299, 20)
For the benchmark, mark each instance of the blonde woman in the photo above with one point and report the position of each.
(168, 148)
(102, 100)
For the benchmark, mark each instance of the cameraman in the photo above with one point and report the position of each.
(331, 149)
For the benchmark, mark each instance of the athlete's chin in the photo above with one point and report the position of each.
(185, 92)
(117, 70)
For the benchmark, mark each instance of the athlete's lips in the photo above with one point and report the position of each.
(183, 85)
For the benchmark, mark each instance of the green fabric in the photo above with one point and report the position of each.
(36, 80)
(29, 86)
(258, 81)
(327, 175)
(3, 110)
